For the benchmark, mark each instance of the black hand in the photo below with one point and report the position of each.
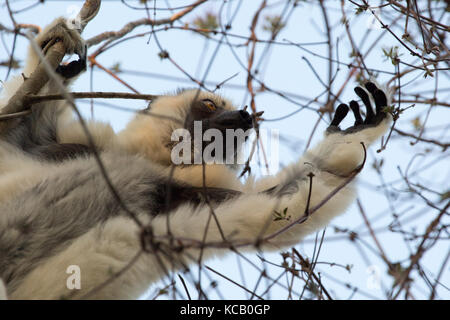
(372, 118)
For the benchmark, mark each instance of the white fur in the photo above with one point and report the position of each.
(244, 221)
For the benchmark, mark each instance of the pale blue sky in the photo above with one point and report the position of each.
(282, 68)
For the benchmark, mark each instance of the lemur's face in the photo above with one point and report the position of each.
(214, 125)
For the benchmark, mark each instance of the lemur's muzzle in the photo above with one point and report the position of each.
(239, 119)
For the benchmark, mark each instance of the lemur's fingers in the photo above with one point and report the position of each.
(341, 112)
(355, 108)
(379, 97)
(370, 115)
(372, 119)
(371, 87)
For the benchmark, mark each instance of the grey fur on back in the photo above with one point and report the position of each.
(68, 203)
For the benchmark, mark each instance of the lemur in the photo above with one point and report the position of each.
(56, 209)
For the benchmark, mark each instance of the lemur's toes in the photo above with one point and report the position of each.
(355, 108)
(61, 31)
(370, 115)
(72, 69)
(341, 112)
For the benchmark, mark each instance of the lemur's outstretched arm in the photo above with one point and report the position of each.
(332, 163)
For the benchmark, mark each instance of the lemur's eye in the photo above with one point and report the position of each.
(209, 104)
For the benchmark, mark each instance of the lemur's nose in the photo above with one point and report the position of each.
(246, 117)
(236, 119)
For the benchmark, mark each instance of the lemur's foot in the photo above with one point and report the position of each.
(61, 31)
(73, 68)
(372, 118)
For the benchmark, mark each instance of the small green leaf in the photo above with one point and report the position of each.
(273, 24)
(392, 54)
(281, 215)
(208, 22)
(116, 68)
(361, 9)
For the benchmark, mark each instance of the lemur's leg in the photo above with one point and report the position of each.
(51, 130)
(58, 30)
(40, 127)
(68, 129)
